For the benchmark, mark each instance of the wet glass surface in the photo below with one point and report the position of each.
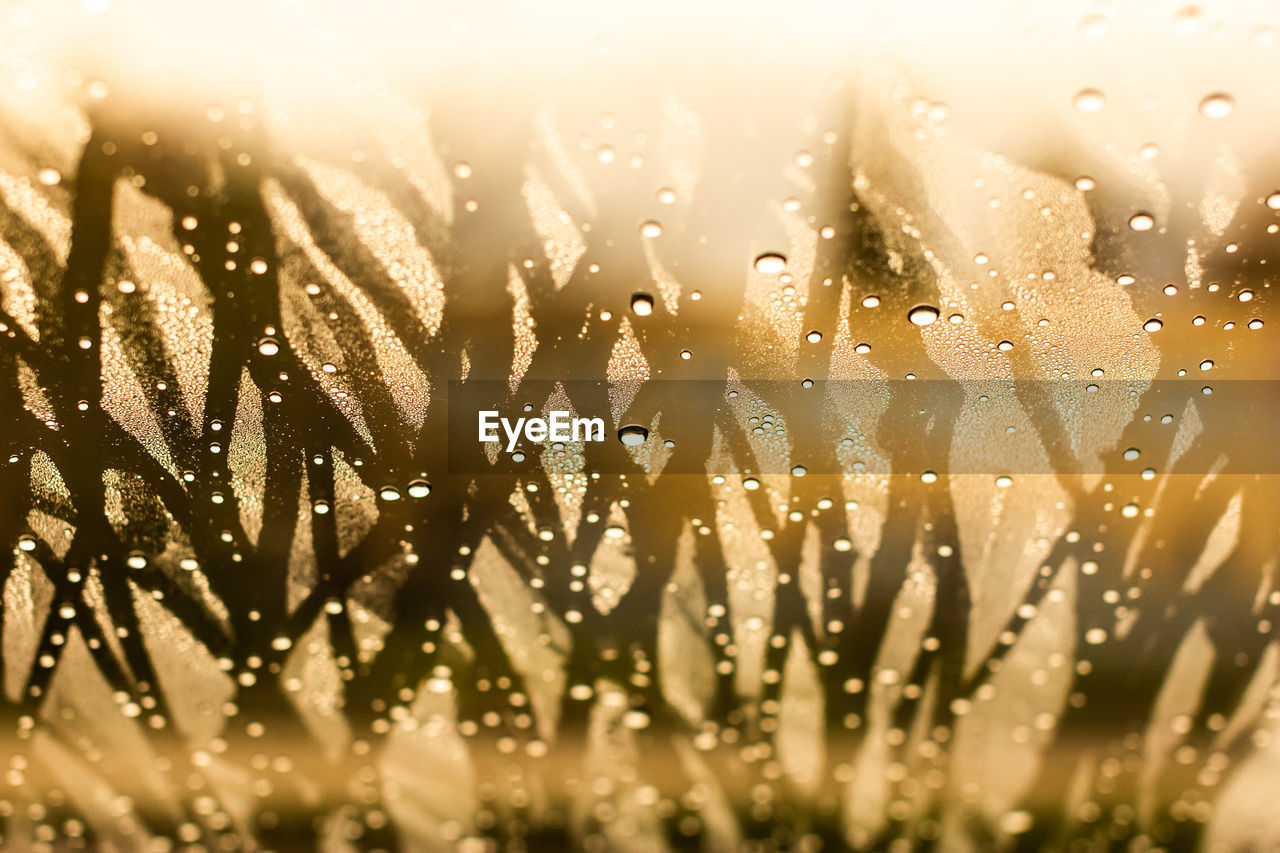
(936, 506)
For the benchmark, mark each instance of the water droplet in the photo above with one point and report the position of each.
(1004, 481)
(1207, 364)
(1016, 823)
(651, 229)
(26, 543)
(686, 354)
(1092, 26)
(771, 263)
(642, 304)
(842, 544)
(1255, 324)
(1273, 200)
(1245, 296)
(49, 177)
(320, 508)
(666, 195)
(614, 532)
(136, 561)
(929, 477)
(799, 471)
(1084, 183)
(1005, 346)
(923, 315)
(1129, 510)
(813, 337)
(633, 435)
(419, 489)
(1153, 325)
(806, 383)
(389, 493)
(268, 346)
(1142, 221)
(750, 484)
(1188, 19)
(1088, 100)
(1217, 105)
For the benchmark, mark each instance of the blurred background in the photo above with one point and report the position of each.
(967, 540)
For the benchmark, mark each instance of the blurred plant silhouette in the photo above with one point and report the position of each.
(231, 621)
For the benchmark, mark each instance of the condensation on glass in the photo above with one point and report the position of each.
(1006, 581)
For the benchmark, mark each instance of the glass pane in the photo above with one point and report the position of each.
(570, 427)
